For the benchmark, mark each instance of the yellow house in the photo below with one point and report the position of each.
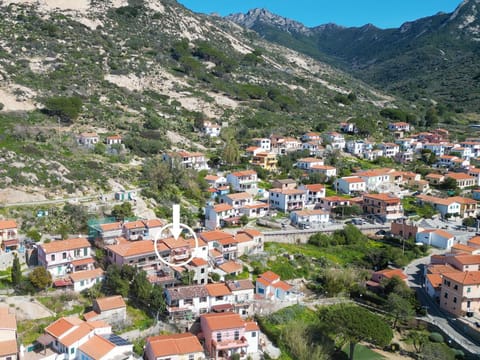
(267, 161)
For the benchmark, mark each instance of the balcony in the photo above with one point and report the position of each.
(181, 257)
(230, 344)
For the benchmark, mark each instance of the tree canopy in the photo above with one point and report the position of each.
(67, 108)
(40, 277)
(353, 324)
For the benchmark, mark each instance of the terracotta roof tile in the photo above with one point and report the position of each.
(220, 321)
(231, 267)
(250, 232)
(239, 196)
(110, 303)
(270, 276)
(244, 173)
(134, 248)
(463, 247)
(282, 285)
(7, 320)
(219, 289)
(176, 344)
(237, 285)
(64, 245)
(475, 240)
(465, 259)
(196, 261)
(76, 334)
(251, 326)
(86, 274)
(389, 273)
(315, 187)
(7, 224)
(97, 347)
(464, 278)
(62, 325)
(111, 226)
(214, 235)
(222, 207)
(8, 347)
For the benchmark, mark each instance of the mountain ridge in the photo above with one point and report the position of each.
(406, 60)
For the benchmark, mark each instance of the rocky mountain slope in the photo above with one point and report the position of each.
(435, 57)
(148, 70)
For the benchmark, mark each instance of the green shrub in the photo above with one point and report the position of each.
(67, 108)
(436, 337)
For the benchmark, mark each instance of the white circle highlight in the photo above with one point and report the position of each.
(191, 250)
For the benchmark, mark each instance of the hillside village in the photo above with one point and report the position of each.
(304, 197)
(216, 284)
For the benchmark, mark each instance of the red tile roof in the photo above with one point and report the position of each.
(464, 278)
(62, 325)
(176, 344)
(97, 347)
(244, 173)
(219, 289)
(389, 273)
(7, 224)
(223, 321)
(110, 303)
(65, 245)
(8, 347)
(270, 276)
(86, 274)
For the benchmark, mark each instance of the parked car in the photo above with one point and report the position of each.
(358, 221)
(304, 225)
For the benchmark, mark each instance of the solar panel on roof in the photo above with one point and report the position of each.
(115, 339)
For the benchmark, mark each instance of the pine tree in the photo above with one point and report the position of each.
(16, 271)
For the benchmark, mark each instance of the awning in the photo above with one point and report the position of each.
(8, 243)
(45, 339)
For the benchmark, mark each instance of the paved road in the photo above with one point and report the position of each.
(95, 197)
(450, 325)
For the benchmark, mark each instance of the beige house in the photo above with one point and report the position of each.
(112, 309)
(460, 293)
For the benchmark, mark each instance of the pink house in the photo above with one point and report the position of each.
(269, 286)
(227, 333)
(8, 234)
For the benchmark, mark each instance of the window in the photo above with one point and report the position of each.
(469, 290)
(219, 336)
(72, 350)
(455, 287)
(191, 357)
(52, 257)
(64, 255)
(85, 251)
(236, 335)
(455, 299)
(254, 334)
(82, 283)
(446, 296)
